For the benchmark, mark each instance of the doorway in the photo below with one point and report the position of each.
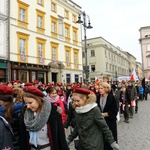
(54, 77)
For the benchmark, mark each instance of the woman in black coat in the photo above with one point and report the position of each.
(109, 108)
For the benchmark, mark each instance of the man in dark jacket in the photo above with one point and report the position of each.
(6, 138)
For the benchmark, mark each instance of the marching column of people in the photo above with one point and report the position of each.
(35, 115)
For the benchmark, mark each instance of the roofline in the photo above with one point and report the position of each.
(75, 4)
(144, 27)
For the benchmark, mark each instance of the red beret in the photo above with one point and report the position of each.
(36, 82)
(33, 90)
(18, 81)
(59, 84)
(60, 93)
(82, 91)
(69, 84)
(28, 84)
(6, 90)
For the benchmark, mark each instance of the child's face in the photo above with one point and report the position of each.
(53, 94)
(78, 101)
(32, 104)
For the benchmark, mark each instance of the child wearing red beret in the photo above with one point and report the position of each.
(54, 98)
(44, 124)
(90, 124)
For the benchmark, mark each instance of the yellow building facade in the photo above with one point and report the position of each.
(45, 41)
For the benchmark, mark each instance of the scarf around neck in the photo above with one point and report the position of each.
(86, 108)
(53, 100)
(35, 123)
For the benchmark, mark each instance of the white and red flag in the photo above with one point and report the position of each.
(133, 75)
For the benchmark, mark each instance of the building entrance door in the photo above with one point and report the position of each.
(54, 77)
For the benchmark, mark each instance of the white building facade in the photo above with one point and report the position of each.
(4, 57)
(45, 41)
(104, 59)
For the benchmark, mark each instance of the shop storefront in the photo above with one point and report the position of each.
(3, 71)
(29, 72)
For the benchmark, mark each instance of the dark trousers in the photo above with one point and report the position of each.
(136, 105)
(126, 112)
(145, 96)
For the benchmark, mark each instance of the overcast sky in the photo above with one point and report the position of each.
(118, 21)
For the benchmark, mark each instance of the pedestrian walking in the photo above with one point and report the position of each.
(109, 108)
(43, 122)
(125, 101)
(133, 96)
(90, 124)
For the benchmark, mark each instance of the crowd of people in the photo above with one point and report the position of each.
(35, 116)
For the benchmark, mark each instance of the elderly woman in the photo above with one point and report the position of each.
(109, 108)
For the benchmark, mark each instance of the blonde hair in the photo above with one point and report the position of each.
(106, 86)
(90, 98)
(18, 92)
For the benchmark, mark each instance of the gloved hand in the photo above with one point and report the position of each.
(115, 146)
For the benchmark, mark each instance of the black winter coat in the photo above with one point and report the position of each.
(6, 135)
(111, 108)
(57, 133)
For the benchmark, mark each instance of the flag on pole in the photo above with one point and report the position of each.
(133, 75)
(96, 80)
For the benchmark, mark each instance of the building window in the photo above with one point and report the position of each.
(106, 66)
(54, 51)
(53, 7)
(92, 53)
(74, 18)
(110, 68)
(105, 53)
(109, 55)
(60, 27)
(76, 58)
(68, 78)
(75, 35)
(66, 14)
(40, 2)
(22, 46)
(67, 32)
(93, 68)
(40, 21)
(23, 14)
(40, 50)
(68, 56)
(54, 27)
(23, 76)
(76, 78)
(22, 49)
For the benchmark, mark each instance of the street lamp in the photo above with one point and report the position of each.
(84, 23)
